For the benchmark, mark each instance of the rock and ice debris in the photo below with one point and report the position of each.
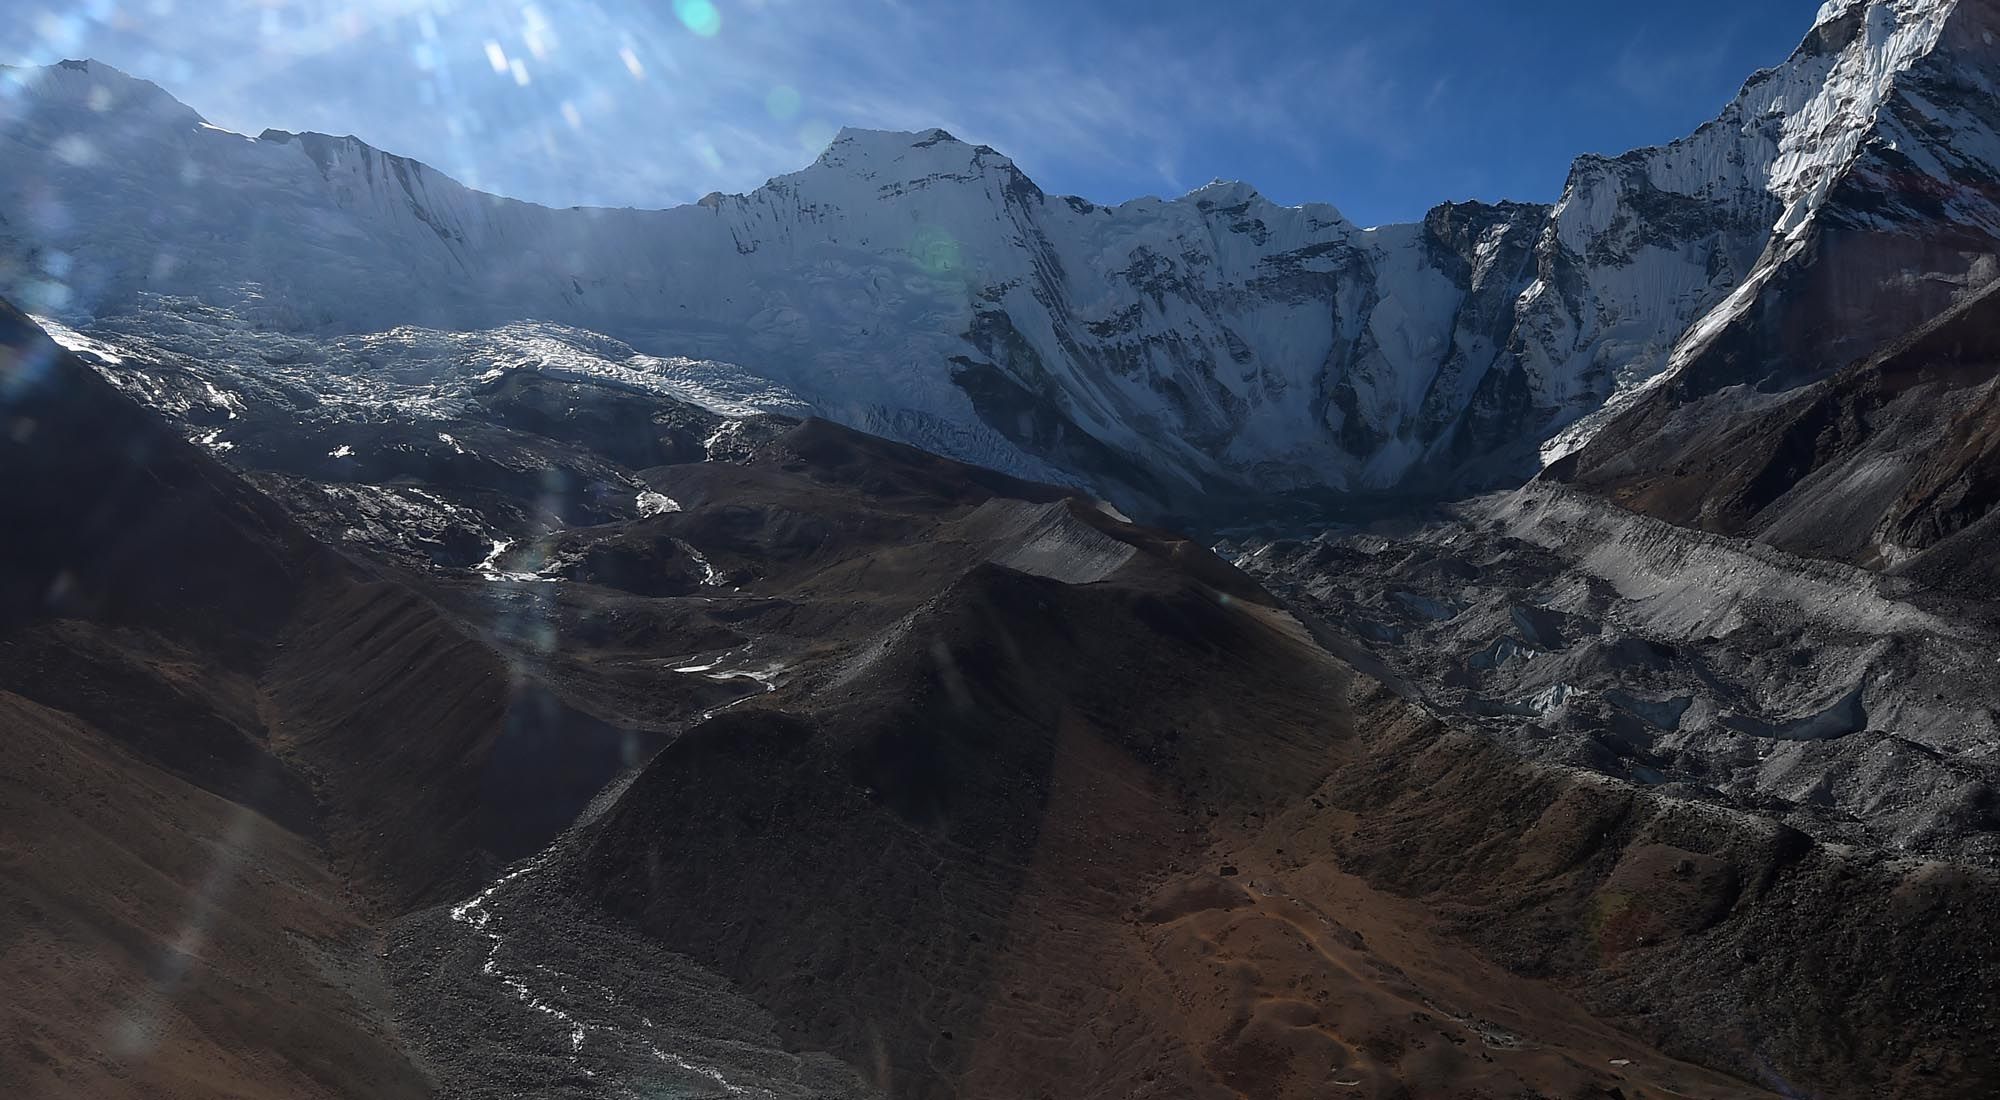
(710, 576)
(555, 1001)
(77, 342)
(489, 568)
(652, 503)
(1581, 634)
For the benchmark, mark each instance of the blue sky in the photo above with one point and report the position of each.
(1382, 109)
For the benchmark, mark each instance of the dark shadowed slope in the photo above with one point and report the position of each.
(1011, 744)
(176, 604)
(231, 744)
(166, 929)
(967, 782)
(158, 940)
(1892, 463)
(1038, 802)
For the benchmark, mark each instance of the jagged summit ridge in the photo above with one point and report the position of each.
(1161, 351)
(871, 152)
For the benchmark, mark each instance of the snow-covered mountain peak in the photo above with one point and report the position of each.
(1162, 350)
(332, 153)
(866, 138)
(91, 86)
(909, 154)
(1837, 11)
(1832, 93)
(1222, 192)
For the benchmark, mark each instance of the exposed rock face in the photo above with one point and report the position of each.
(1889, 464)
(1172, 354)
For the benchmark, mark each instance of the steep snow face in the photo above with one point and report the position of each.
(1931, 89)
(869, 283)
(1887, 177)
(1161, 351)
(1657, 250)
(1838, 110)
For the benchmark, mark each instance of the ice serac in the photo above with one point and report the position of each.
(1168, 353)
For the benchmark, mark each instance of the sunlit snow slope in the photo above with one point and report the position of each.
(1168, 353)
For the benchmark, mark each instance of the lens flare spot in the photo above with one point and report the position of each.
(59, 32)
(700, 16)
(537, 33)
(572, 116)
(783, 103)
(704, 151)
(935, 251)
(632, 64)
(47, 296)
(519, 70)
(815, 136)
(496, 57)
(76, 150)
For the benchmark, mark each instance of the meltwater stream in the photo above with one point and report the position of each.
(479, 916)
(534, 992)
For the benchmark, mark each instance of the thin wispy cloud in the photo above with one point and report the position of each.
(1649, 71)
